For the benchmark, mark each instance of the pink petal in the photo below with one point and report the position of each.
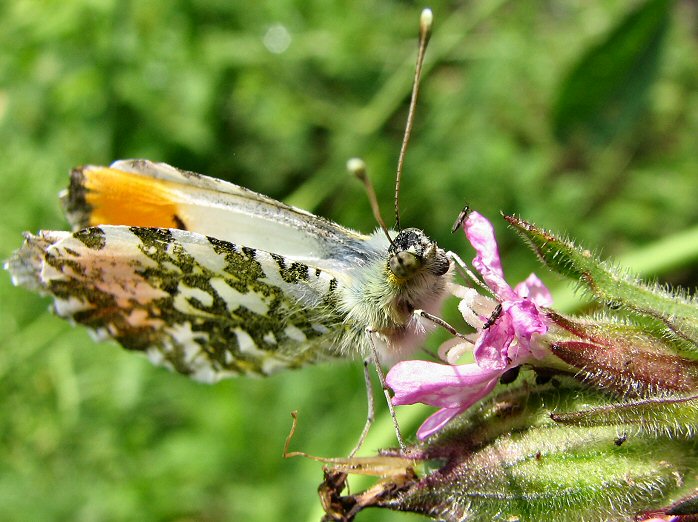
(526, 319)
(438, 384)
(534, 289)
(492, 347)
(445, 415)
(480, 233)
(437, 421)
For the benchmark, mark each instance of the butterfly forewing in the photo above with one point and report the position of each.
(202, 306)
(148, 194)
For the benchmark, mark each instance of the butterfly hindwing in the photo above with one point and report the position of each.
(202, 306)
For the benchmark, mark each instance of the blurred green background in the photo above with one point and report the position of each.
(581, 116)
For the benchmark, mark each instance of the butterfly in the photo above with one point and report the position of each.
(214, 280)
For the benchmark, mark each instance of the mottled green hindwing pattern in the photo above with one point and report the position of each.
(204, 307)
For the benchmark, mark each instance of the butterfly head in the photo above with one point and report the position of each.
(412, 252)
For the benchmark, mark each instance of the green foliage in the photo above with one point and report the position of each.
(93, 433)
(606, 92)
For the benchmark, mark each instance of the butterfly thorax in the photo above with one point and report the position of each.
(413, 275)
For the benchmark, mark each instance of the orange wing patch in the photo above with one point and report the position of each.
(107, 196)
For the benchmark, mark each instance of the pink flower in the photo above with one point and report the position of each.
(507, 327)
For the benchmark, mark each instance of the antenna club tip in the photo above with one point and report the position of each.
(425, 20)
(357, 167)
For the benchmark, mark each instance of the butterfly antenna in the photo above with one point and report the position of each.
(357, 167)
(425, 21)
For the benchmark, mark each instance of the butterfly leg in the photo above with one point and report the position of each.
(465, 272)
(371, 414)
(439, 322)
(386, 390)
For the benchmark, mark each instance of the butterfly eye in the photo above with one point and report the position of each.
(404, 264)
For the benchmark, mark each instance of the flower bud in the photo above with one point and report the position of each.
(621, 357)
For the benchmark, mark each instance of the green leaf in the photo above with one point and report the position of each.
(605, 92)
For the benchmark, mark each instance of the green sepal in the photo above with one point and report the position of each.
(673, 314)
(655, 416)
